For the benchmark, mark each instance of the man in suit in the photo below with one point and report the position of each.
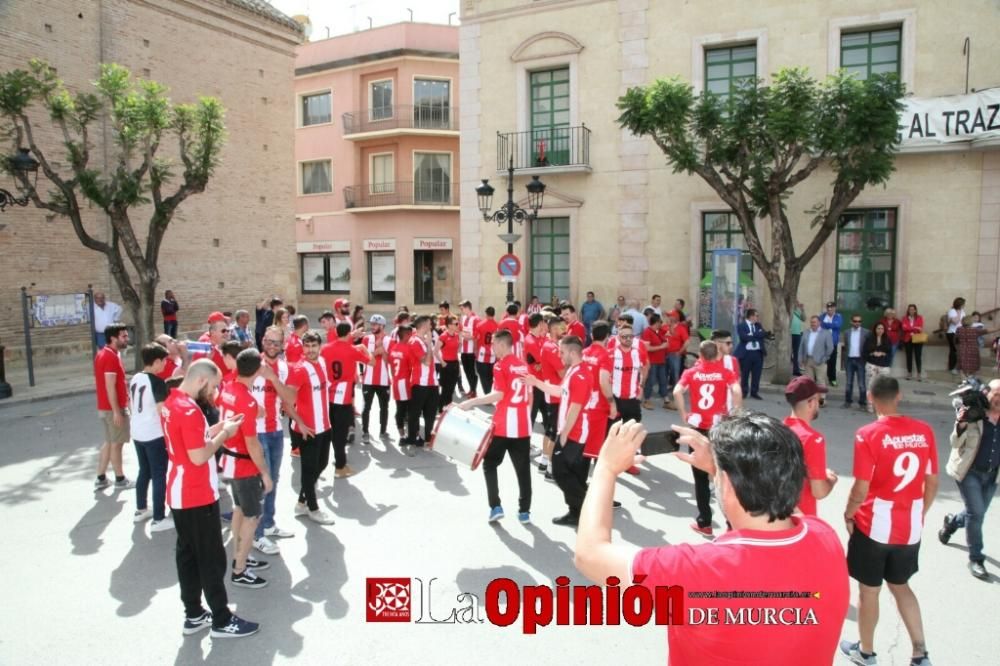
(853, 352)
(815, 350)
(750, 353)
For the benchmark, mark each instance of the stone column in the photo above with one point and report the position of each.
(988, 271)
(470, 219)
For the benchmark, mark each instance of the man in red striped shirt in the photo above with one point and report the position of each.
(511, 428)
(467, 323)
(293, 344)
(399, 366)
(376, 379)
(341, 359)
(510, 323)
(423, 382)
(630, 364)
(309, 379)
(485, 328)
(553, 371)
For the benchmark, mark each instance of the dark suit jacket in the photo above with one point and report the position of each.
(845, 340)
(743, 330)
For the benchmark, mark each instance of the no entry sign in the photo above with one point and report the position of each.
(509, 266)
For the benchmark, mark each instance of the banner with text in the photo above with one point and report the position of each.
(933, 122)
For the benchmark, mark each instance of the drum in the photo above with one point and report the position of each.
(462, 435)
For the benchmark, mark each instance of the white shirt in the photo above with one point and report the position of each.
(655, 309)
(754, 345)
(145, 391)
(811, 341)
(104, 317)
(854, 343)
(955, 318)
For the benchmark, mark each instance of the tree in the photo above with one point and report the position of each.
(140, 118)
(758, 145)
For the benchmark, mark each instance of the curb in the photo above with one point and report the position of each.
(15, 401)
(909, 397)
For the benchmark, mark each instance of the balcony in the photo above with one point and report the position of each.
(550, 150)
(396, 120)
(401, 195)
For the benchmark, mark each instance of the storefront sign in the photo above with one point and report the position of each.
(376, 244)
(323, 246)
(935, 122)
(432, 244)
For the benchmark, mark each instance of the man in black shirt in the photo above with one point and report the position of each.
(265, 317)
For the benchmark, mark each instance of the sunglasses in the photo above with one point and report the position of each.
(626, 337)
(272, 342)
(855, 321)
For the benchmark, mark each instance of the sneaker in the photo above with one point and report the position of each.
(944, 534)
(524, 517)
(548, 476)
(615, 504)
(237, 628)
(383, 434)
(853, 652)
(543, 466)
(978, 569)
(254, 563)
(295, 453)
(366, 438)
(669, 405)
(496, 513)
(920, 661)
(266, 546)
(703, 531)
(301, 509)
(344, 472)
(124, 484)
(410, 450)
(192, 625)
(247, 578)
(846, 405)
(162, 525)
(321, 517)
(142, 515)
(226, 516)
(646, 404)
(278, 533)
(833, 383)
(101, 484)
(570, 520)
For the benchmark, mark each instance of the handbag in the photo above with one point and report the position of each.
(918, 338)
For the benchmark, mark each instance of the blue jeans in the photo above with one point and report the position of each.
(977, 489)
(892, 354)
(658, 376)
(856, 368)
(272, 443)
(152, 457)
(675, 365)
(99, 337)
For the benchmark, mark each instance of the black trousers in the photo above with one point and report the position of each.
(751, 366)
(402, 409)
(423, 403)
(914, 351)
(369, 393)
(952, 351)
(702, 492)
(469, 366)
(569, 469)
(628, 408)
(341, 422)
(201, 562)
(831, 366)
(485, 371)
(314, 456)
(449, 380)
(519, 450)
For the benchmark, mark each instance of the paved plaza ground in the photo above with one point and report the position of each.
(86, 585)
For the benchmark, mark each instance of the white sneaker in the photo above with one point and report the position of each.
(278, 533)
(162, 525)
(301, 509)
(321, 517)
(266, 546)
(142, 515)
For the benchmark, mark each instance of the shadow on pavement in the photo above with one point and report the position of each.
(86, 534)
(71, 465)
(350, 503)
(148, 567)
(326, 570)
(550, 558)
(476, 580)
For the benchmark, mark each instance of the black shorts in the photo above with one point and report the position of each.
(870, 562)
(248, 495)
(551, 421)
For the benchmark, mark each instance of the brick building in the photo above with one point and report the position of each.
(228, 246)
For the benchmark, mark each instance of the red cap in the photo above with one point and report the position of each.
(216, 316)
(340, 302)
(802, 388)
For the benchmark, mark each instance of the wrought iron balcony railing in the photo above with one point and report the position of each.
(549, 147)
(420, 117)
(375, 195)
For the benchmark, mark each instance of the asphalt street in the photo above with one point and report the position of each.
(84, 584)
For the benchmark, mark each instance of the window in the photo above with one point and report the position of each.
(316, 109)
(423, 277)
(550, 134)
(381, 277)
(431, 104)
(721, 231)
(326, 273)
(866, 262)
(316, 177)
(432, 178)
(871, 52)
(382, 170)
(728, 68)
(381, 100)
(550, 258)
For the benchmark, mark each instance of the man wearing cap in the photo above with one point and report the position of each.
(216, 334)
(833, 322)
(805, 396)
(342, 315)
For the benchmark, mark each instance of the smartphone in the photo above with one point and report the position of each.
(657, 443)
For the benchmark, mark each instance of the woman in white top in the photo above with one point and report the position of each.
(955, 316)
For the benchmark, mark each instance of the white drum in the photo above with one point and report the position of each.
(463, 435)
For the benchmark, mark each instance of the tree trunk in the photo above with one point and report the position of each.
(782, 345)
(145, 328)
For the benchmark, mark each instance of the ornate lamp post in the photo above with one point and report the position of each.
(21, 166)
(510, 212)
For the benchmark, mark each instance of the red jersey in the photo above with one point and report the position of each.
(516, 333)
(533, 354)
(552, 367)
(709, 384)
(522, 319)
(216, 357)
(468, 326)
(677, 338)
(110, 361)
(341, 359)
(654, 338)
(399, 362)
(184, 428)
(237, 399)
(512, 417)
(377, 371)
(578, 329)
(331, 333)
(169, 368)
(731, 363)
(814, 451)
(449, 346)
(627, 371)
(485, 328)
(894, 454)
(806, 558)
(264, 394)
(421, 374)
(598, 410)
(293, 349)
(576, 389)
(309, 379)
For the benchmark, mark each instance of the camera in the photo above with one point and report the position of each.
(971, 394)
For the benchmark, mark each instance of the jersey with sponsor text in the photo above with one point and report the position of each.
(341, 359)
(468, 325)
(485, 328)
(185, 428)
(576, 389)
(517, 334)
(294, 352)
(265, 394)
(310, 381)
(708, 383)
(627, 371)
(814, 452)
(513, 413)
(421, 374)
(376, 372)
(552, 365)
(533, 354)
(399, 363)
(236, 399)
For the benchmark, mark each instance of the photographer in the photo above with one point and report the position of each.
(973, 463)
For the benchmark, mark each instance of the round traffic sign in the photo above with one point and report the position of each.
(509, 266)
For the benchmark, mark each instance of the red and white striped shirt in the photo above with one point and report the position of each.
(309, 378)
(468, 326)
(342, 360)
(512, 416)
(263, 391)
(576, 389)
(184, 427)
(421, 374)
(517, 336)
(377, 372)
(485, 328)
(627, 370)
(399, 363)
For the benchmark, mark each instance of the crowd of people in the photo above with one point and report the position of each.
(218, 406)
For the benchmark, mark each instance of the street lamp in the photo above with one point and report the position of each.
(21, 166)
(510, 212)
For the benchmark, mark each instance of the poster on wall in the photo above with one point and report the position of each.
(60, 309)
(340, 273)
(383, 272)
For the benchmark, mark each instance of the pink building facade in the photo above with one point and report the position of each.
(376, 150)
